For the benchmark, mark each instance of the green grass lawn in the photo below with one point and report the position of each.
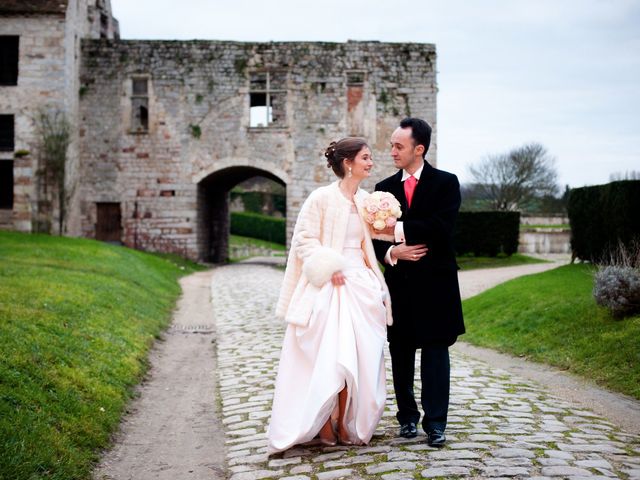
(551, 317)
(237, 240)
(77, 318)
(471, 263)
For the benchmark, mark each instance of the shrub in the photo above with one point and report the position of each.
(618, 289)
(254, 225)
(487, 233)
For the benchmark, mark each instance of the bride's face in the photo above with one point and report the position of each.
(361, 165)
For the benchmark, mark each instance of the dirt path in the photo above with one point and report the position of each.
(171, 430)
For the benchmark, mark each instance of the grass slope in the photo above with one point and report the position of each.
(77, 318)
(551, 317)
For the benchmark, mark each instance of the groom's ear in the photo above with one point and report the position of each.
(420, 150)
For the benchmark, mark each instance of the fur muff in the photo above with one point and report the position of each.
(321, 265)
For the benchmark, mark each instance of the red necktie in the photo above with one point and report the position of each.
(409, 188)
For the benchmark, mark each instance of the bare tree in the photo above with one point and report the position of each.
(511, 180)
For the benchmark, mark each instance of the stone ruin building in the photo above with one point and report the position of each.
(161, 131)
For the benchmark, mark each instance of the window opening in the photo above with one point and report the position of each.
(6, 133)
(9, 59)
(6, 184)
(267, 96)
(355, 78)
(140, 104)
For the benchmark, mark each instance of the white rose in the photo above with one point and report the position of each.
(379, 224)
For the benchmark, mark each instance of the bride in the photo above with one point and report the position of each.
(331, 378)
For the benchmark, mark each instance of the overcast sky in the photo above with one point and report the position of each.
(565, 73)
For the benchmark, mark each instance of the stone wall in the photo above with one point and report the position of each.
(48, 78)
(41, 81)
(172, 180)
(545, 241)
(544, 234)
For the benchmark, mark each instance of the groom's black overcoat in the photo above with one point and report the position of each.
(425, 296)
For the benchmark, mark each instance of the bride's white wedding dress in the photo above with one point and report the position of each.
(342, 345)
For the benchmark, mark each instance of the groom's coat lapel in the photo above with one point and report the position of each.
(397, 189)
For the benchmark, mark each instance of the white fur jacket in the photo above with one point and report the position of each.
(316, 252)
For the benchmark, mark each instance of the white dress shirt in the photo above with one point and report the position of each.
(398, 232)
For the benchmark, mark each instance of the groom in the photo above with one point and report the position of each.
(421, 273)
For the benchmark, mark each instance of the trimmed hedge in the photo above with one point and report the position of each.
(477, 233)
(602, 216)
(487, 233)
(255, 201)
(254, 225)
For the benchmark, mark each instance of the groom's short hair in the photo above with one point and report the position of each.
(420, 131)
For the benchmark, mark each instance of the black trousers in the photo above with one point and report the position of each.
(434, 374)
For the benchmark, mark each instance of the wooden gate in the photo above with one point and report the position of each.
(109, 224)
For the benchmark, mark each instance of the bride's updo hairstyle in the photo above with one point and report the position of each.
(347, 148)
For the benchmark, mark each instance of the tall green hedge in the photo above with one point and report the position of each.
(255, 201)
(477, 233)
(602, 216)
(487, 233)
(254, 225)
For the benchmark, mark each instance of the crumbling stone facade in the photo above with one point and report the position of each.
(47, 37)
(167, 128)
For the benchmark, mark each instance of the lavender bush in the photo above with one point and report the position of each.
(618, 289)
(617, 284)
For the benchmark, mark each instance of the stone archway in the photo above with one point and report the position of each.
(213, 208)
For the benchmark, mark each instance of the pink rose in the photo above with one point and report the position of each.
(369, 218)
(371, 208)
(384, 204)
(391, 221)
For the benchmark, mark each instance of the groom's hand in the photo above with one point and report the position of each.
(410, 253)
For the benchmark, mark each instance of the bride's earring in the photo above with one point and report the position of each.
(350, 174)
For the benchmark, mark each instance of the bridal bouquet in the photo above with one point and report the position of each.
(381, 210)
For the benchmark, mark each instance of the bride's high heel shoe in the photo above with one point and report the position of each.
(327, 436)
(325, 442)
(344, 440)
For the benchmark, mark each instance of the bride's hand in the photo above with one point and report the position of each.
(387, 231)
(337, 279)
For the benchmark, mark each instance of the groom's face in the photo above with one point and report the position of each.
(403, 150)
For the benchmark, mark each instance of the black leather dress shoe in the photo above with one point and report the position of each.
(408, 430)
(436, 438)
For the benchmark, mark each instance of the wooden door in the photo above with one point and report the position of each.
(109, 225)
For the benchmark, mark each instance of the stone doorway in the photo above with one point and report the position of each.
(213, 209)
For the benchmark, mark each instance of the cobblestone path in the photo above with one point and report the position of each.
(499, 426)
